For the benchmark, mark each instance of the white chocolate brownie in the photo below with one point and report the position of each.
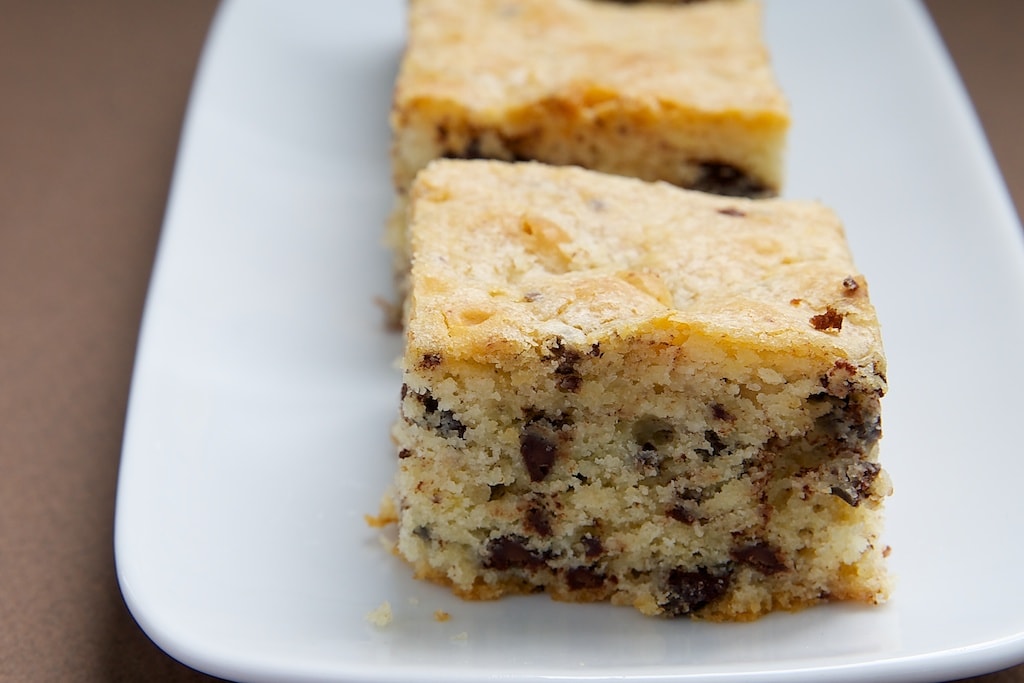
(684, 94)
(626, 391)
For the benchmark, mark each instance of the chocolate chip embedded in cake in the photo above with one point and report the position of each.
(684, 94)
(616, 390)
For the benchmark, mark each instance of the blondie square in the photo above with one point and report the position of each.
(626, 391)
(682, 93)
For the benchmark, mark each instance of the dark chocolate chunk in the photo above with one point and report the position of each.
(720, 413)
(430, 360)
(716, 446)
(444, 421)
(569, 381)
(472, 149)
(581, 578)
(725, 179)
(556, 422)
(760, 555)
(449, 425)
(405, 453)
(510, 552)
(687, 509)
(689, 591)
(567, 375)
(853, 480)
(855, 419)
(850, 285)
(681, 514)
(539, 442)
(538, 520)
(538, 451)
(831, 319)
(592, 546)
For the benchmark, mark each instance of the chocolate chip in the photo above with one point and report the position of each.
(472, 149)
(510, 552)
(539, 442)
(731, 211)
(855, 419)
(720, 413)
(569, 381)
(430, 403)
(689, 591)
(430, 361)
(538, 520)
(831, 319)
(443, 421)
(695, 495)
(681, 514)
(850, 285)
(716, 446)
(582, 578)
(852, 481)
(725, 179)
(538, 451)
(592, 546)
(449, 425)
(760, 555)
(405, 453)
(567, 375)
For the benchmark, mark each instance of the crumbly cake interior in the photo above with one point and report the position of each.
(639, 394)
(684, 94)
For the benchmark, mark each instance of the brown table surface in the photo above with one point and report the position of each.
(92, 96)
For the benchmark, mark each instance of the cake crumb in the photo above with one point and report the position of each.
(460, 637)
(381, 616)
(386, 515)
(441, 616)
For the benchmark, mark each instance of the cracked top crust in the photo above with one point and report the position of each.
(507, 256)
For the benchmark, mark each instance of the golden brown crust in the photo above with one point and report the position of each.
(585, 256)
(651, 91)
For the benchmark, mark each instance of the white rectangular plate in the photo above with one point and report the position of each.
(257, 433)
